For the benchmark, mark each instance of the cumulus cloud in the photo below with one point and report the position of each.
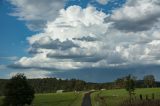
(87, 38)
(58, 38)
(32, 74)
(102, 1)
(137, 15)
(36, 12)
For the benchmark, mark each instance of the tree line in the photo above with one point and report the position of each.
(51, 85)
(148, 81)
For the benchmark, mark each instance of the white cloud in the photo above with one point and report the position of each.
(102, 1)
(137, 15)
(130, 35)
(36, 12)
(74, 22)
(74, 19)
(32, 74)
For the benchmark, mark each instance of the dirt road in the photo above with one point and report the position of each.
(87, 100)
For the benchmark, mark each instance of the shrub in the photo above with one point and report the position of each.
(18, 92)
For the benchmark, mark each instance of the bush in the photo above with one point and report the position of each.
(141, 103)
(18, 92)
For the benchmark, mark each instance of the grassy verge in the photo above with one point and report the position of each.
(57, 99)
(117, 96)
(94, 98)
(78, 100)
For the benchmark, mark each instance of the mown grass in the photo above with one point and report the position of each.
(57, 99)
(1, 100)
(117, 96)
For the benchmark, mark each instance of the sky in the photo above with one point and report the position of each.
(91, 40)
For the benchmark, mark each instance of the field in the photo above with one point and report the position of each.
(99, 98)
(117, 96)
(0, 101)
(58, 99)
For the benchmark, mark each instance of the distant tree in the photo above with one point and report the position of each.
(18, 92)
(120, 82)
(130, 85)
(149, 80)
(79, 85)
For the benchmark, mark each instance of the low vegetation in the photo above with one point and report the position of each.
(118, 97)
(18, 92)
(141, 103)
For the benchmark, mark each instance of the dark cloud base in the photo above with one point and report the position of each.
(110, 74)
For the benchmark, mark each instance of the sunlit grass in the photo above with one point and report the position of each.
(117, 96)
(58, 99)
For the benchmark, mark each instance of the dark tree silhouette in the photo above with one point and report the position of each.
(18, 92)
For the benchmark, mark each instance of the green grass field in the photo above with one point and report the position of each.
(57, 99)
(117, 96)
(0, 101)
(99, 98)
